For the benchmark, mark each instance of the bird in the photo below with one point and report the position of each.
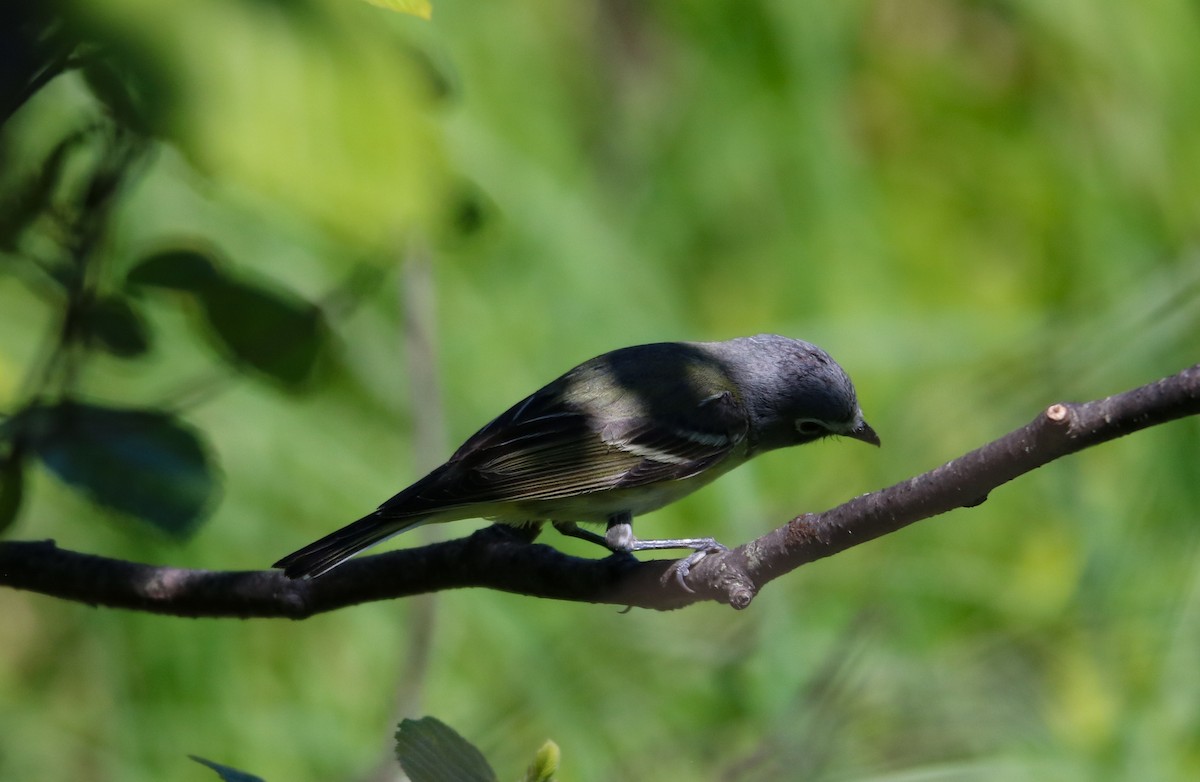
(618, 436)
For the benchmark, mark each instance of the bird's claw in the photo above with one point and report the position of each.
(682, 568)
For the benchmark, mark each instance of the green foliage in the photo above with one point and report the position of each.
(430, 751)
(143, 463)
(29, 196)
(545, 764)
(226, 773)
(313, 106)
(421, 8)
(12, 488)
(255, 326)
(184, 270)
(978, 208)
(112, 324)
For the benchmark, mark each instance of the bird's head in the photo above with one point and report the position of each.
(795, 392)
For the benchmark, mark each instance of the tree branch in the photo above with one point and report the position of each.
(506, 559)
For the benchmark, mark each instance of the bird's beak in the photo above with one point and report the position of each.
(865, 433)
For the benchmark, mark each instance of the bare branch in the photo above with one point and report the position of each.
(504, 559)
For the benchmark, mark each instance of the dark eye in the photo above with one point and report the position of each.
(810, 427)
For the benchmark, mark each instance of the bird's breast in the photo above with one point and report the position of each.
(598, 507)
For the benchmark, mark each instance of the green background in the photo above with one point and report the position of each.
(979, 208)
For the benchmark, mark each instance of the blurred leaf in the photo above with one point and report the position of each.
(12, 489)
(273, 333)
(127, 79)
(105, 182)
(313, 106)
(421, 8)
(545, 763)
(35, 50)
(255, 326)
(144, 463)
(225, 772)
(430, 751)
(30, 198)
(180, 269)
(433, 74)
(113, 324)
(469, 216)
(470, 211)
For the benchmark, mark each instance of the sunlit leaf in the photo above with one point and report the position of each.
(311, 106)
(545, 763)
(144, 463)
(265, 330)
(431, 751)
(421, 8)
(225, 772)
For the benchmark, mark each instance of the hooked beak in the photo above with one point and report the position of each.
(865, 433)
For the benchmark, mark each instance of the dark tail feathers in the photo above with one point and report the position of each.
(335, 548)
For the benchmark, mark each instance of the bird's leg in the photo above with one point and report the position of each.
(573, 530)
(620, 537)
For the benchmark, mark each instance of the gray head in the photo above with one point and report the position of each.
(795, 392)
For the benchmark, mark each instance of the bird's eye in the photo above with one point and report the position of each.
(810, 427)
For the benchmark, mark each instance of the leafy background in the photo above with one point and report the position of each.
(978, 207)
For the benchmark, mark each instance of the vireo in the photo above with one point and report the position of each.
(617, 436)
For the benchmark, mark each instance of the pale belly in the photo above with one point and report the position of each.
(600, 506)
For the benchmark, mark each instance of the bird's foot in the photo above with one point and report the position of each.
(620, 539)
(683, 567)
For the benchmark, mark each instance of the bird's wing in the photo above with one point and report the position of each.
(544, 448)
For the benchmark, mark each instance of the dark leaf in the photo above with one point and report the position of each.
(273, 333)
(105, 182)
(68, 275)
(470, 214)
(12, 489)
(472, 210)
(113, 324)
(144, 463)
(225, 772)
(466, 214)
(132, 86)
(430, 751)
(187, 270)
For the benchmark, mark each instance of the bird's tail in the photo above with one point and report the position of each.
(335, 548)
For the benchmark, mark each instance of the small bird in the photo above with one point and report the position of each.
(620, 435)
